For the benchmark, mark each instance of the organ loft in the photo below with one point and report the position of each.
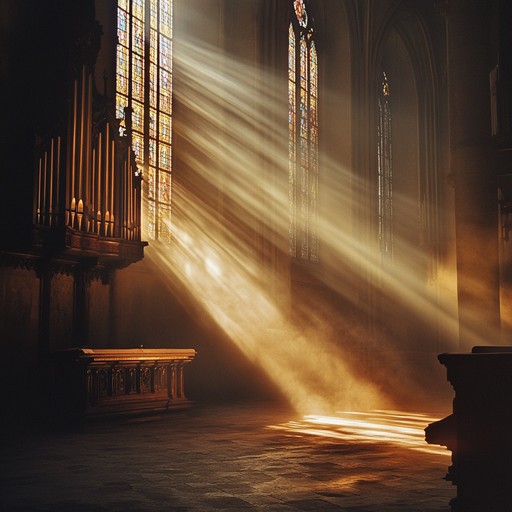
(302, 202)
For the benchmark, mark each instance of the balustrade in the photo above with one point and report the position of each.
(87, 383)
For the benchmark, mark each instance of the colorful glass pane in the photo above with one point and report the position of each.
(165, 81)
(138, 8)
(303, 62)
(153, 12)
(122, 27)
(164, 187)
(313, 71)
(138, 147)
(153, 90)
(165, 127)
(300, 13)
(165, 91)
(164, 221)
(121, 104)
(152, 151)
(165, 52)
(152, 123)
(138, 36)
(166, 17)
(151, 182)
(164, 155)
(153, 47)
(137, 78)
(151, 220)
(122, 75)
(137, 116)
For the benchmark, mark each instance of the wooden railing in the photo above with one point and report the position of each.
(87, 383)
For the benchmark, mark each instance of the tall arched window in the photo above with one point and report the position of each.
(303, 133)
(385, 170)
(143, 99)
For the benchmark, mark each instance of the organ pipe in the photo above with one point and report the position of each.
(102, 188)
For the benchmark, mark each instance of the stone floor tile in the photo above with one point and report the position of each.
(223, 458)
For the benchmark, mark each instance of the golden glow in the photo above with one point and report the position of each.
(402, 429)
(230, 204)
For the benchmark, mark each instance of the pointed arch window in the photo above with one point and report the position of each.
(385, 169)
(303, 133)
(143, 99)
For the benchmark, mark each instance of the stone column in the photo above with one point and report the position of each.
(471, 161)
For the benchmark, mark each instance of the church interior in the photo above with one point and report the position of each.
(297, 203)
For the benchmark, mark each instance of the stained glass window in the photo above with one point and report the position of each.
(385, 169)
(303, 133)
(143, 100)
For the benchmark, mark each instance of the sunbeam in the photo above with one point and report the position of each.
(310, 349)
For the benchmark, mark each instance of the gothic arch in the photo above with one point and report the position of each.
(404, 43)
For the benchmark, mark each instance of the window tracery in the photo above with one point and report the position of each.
(143, 100)
(303, 133)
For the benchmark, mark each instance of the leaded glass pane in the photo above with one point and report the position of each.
(122, 27)
(151, 220)
(151, 182)
(164, 187)
(138, 116)
(121, 104)
(153, 90)
(165, 52)
(164, 219)
(153, 9)
(166, 18)
(138, 36)
(122, 76)
(164, 155)
(165, 83)
(137, 78)
(152, 123)
(165, 127)
(152, 151)
(153, 47)
(138, 8)
(300, 12)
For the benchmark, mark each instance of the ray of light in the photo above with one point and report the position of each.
(231, 203)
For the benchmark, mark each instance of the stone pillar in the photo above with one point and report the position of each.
(471, 162)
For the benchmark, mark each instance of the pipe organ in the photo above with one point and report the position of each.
(88, 186)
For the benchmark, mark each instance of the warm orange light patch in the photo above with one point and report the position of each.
(403, 429)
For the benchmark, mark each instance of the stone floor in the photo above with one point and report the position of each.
(229, 458)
